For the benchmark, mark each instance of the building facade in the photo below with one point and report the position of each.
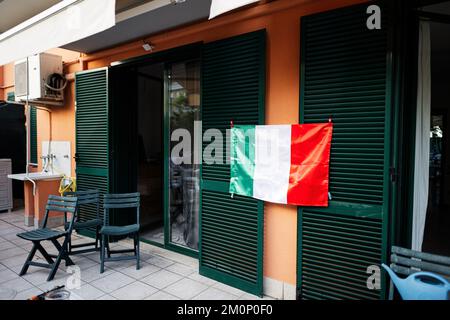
(278, 62)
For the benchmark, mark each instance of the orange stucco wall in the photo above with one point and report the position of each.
(281, 19)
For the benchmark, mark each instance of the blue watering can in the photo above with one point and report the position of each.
(420, 286)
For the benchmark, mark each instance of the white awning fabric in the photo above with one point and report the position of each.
(221, 6)
(63, 23)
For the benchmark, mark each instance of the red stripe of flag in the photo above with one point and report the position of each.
(310, 162)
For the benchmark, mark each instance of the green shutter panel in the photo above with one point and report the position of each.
(346, 75)
(33, 135)
(231, 229)
(92, 134)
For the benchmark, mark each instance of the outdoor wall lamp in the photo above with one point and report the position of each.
(148, 46)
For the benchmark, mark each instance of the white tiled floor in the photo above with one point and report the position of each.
(164, 275)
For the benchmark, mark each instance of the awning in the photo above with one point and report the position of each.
(221, 6)
(63, 23)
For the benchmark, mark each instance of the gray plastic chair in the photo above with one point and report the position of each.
(406, 262)
(55, 204)
(119, 201)
(90, 200)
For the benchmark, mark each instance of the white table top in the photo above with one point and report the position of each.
(34, 176)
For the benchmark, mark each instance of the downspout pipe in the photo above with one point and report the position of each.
(28, 115)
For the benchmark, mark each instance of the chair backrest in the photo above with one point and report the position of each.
(87, 197)
(406, 261)
(61, 204)
(120, 201)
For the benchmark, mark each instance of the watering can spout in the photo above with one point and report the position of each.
(398, 282)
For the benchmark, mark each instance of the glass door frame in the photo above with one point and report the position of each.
(178, 54)
(166, 158)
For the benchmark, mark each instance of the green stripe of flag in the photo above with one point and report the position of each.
(242, 159)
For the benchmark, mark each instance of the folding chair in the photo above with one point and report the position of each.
(90, 201)
(57, 204)
(119, 201)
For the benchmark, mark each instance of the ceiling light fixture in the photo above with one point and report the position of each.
(177, 1)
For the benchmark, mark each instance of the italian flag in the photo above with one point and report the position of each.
(286, 164)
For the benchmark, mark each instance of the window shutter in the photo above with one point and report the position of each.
(345, 75)
(231, 229)
(33, 135)
(92, 134)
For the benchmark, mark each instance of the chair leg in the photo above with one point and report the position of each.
(70, 245)
(108, 249)
(138, 255)
(96, 237)
(63, 250)
(66, 256)
(29, 259)
(102, 254)
(56, 263)
(44, 253)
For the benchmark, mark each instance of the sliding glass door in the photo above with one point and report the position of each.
(183, 99)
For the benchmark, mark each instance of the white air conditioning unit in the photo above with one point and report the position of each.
(35, 76)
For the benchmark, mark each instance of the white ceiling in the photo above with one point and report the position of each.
(14, 12)
(140, 26)
(135, 19)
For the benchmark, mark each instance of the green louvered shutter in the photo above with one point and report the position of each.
(231, 231)
(92, 134)
(346, 74)
(33, 135)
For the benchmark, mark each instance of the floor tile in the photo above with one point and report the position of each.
(228, 289)
(134, 291)
(112, 282)
(88, 292)
(197, 277)
(7, 245)
(84, 263)
(27, 294)
(248, 296)
(47, 285)
(93, 273)
(160, 262)
(186, 288)
(38, 276)
(181, 269)
(106, 297)
(162, 279)
(10, 230)
(116, 265)
(15, 261)
(6, 275)
(145, 270)
(215, 294)
(14, 238)
(17, 284)
(8, 253)
(161, 295)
